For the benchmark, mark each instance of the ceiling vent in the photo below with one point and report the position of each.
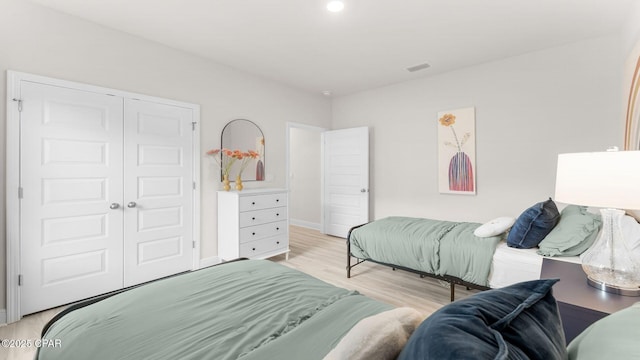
(418, 67)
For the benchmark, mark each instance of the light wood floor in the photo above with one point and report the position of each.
(325, 257)
(321, 256)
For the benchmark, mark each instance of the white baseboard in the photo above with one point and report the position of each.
(3, 316)
(210, 261)
(305, 224)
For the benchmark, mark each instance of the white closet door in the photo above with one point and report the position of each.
(71, 172)
(158, 190)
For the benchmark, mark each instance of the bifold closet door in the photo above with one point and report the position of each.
(71, 183)
(158, 199)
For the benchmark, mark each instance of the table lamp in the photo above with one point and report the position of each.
(609, 180)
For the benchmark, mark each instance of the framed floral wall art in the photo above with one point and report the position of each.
(457, 151)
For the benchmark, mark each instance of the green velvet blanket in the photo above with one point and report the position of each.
(252, 309)
(431, 246)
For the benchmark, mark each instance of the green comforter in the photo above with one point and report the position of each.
(253, 309)
(431, 246)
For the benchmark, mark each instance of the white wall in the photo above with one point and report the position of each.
(631, 39)
(528, 109)
(631, 31)
(305, 177)
(43, 42)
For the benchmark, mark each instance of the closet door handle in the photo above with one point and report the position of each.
(132, 204)
(114, 206)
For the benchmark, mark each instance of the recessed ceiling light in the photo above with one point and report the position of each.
(326, 92)
(335, 6)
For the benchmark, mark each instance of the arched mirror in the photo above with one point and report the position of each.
(246, 137)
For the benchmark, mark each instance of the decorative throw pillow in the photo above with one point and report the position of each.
(574, 234)
(520, 321)
(533, 225)
(377, 337)
(612, 337)
(494, 227)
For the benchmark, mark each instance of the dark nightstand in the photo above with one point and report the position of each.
(580, 304)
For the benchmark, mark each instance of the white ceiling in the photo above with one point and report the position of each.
(369, 44)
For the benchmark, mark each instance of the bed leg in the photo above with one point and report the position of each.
(348, 256)
(453, 291)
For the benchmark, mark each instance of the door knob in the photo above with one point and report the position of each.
(131, 204)
(114, 206)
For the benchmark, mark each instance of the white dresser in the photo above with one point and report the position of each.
(253, 224)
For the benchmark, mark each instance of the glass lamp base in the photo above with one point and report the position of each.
(609, 264)
(612, 288)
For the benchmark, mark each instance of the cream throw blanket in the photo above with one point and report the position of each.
(378, 337)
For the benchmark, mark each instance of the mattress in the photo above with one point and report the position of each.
(510, 265)
(252, 309)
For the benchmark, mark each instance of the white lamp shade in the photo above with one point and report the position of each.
(608, 179)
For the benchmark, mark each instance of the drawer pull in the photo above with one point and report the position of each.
(254, 249)
(278, 242)
(253, 233)
(253, 203)
(277, 214)
(277, 200)
(253, 218)
(277, 228)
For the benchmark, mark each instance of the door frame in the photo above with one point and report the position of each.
(319, 130)
(13, 236)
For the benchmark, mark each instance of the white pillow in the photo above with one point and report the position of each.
(378, 337)
(495, 227)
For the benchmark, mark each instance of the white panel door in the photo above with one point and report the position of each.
(71, 174)
(158, 166)
(346, 179)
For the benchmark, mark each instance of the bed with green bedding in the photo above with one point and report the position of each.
(445, 250)
(250, 309)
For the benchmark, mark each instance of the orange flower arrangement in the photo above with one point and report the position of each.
(244, 158)
(229, 163)
(218, 155)
(214, 153)
(232, 156)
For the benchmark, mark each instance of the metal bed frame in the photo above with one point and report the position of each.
(451, 280)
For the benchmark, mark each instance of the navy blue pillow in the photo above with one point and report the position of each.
(520, 321)
(533, 225)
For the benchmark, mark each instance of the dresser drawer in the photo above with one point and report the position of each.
(255, 248)
(258, 202)
(262, 231)
(257, 217)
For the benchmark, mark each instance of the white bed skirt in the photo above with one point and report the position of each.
(511, 265)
